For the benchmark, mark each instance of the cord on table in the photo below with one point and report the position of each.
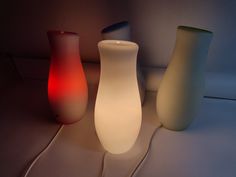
(43, 151)
(139, 163)
(104, 164)
(146, 154)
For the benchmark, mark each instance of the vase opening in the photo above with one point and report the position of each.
(193, 29)
(60, 32)
(115, 26)
(118, 44)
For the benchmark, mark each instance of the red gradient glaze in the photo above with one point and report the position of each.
(67, 85)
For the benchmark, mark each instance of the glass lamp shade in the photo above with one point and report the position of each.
(67, 85)
(118, 106)
(182, 86)
(121, 31)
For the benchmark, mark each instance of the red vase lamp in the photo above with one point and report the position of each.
(67, 85)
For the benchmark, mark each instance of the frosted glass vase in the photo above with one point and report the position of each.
(121, 31)
(118, 107)
(67, 85)
(182, 86)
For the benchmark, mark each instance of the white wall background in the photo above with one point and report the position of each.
(24, 24)
(155, 23)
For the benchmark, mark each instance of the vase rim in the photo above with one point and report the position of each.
(193, 29)
(61, 32)
(115, 26)
(118, 44)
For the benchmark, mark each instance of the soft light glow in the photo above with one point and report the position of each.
(67, 86)
(118, 107)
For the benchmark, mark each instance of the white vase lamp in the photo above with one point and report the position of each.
(118, 107)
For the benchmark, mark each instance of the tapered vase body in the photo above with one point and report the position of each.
(118, 107)
(67, 85)
(181, 89)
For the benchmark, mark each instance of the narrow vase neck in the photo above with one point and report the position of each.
(192, 46)
(63, 44)
(118, 54)
(193, 39)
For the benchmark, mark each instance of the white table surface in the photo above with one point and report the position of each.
(206, 149)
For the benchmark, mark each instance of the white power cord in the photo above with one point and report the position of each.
(43, 151)
(104, 156)
(134, 171)
(104, 164)
(146, 154)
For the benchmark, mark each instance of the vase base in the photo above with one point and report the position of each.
(67, 121)
(177, 128)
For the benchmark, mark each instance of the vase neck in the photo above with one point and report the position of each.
(191, 48)
(189, 37)
(63, 44)
(192, 44)
(118, 56)
(193, 39)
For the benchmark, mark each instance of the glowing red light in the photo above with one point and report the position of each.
(67, 86)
